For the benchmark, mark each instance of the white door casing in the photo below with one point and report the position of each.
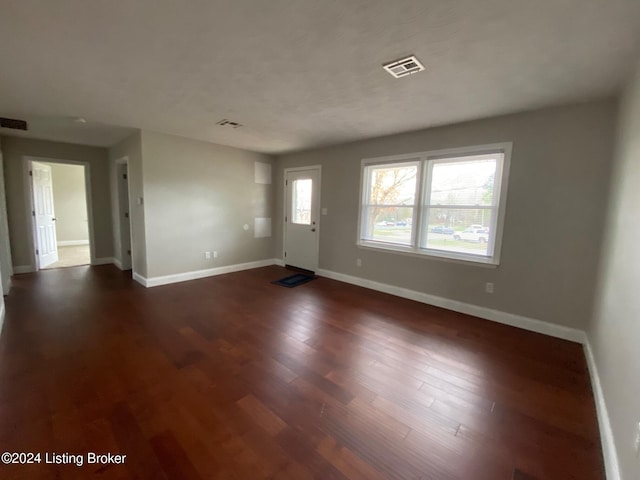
(45, 221)
(124, 213)
(302, 222)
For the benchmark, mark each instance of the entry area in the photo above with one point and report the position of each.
(60, 215)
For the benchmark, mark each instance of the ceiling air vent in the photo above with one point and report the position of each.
(11, 123)
(228, 123)
(404, 66)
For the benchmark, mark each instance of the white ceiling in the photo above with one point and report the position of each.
(301, 73)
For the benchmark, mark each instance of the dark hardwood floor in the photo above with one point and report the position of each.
(232, 377)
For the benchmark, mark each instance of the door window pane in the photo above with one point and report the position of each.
(301, 201)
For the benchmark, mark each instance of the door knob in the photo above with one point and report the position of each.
(53, 219)
(313, 229)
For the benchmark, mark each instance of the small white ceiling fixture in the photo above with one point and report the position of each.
(225, 122)
(80, 120)
(404, 66)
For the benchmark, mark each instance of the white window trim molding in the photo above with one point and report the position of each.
(414, 250)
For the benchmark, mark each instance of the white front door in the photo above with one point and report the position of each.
(301, 218)
(45, 220)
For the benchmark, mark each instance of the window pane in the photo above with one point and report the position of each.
(459, 230)
(301, 201)
(392, 185)
(455, 182)
(388, 224)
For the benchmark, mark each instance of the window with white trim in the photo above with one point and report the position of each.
(447, 204)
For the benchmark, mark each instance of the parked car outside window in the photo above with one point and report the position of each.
(474, 233)
(442, 229)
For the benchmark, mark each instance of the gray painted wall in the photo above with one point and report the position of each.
(14, 150)
(556, 204)
(198, 196)
(69, 200)
(6, 268)
(131, 148)
(614, 332)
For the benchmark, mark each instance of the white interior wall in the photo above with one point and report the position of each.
(614, 332)
(5, 246)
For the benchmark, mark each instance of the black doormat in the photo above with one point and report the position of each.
(294, 280)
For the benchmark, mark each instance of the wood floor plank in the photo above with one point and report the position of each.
(261, 415)
(233, 378)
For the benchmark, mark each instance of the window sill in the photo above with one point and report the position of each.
(459, 258)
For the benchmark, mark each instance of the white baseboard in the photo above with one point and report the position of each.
(117, 263)
(18, 269)
(183, 277)
(72, 243)
(279, 262)
(2, 312)
(511, 319)
(139, 278)
(604, 422)
(102, 261)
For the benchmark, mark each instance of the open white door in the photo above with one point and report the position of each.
(45, 220)
(302, 218)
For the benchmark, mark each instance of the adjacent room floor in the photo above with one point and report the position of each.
(71, 256)
(233, 377)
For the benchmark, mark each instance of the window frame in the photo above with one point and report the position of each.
(425, 161)
(416, 196)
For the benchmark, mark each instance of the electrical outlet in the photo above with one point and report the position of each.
(637, 441)
(358, 262)
(488, 287)
(207, 255)
(215, 254)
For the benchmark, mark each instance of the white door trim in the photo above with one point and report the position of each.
(28, 189)
(317, 212)
(124, 161)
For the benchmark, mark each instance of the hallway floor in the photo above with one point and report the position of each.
(71, 256)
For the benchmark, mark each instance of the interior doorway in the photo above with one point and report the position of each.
(60, 211)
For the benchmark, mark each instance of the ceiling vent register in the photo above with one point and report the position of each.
(228, 123)
(404, 66)
(13, 123)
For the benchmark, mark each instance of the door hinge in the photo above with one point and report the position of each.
(124, 175)
(31, 173)
(37, 252)
(286, 182)
(285, 254)
(128, 252)
(33, 213)
(126, 214)
(285, 219)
